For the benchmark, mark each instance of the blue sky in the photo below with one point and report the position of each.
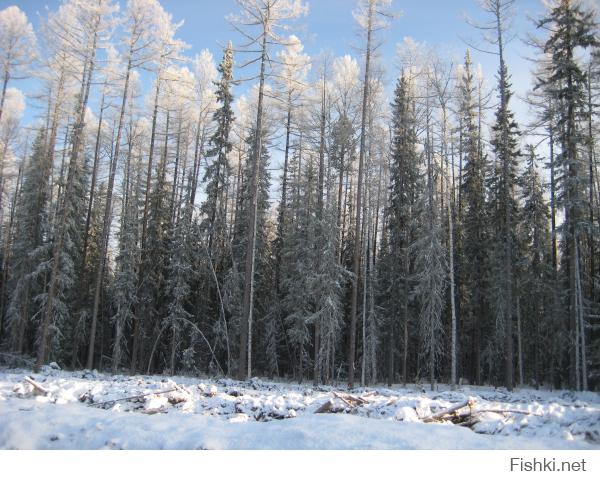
(330, 25)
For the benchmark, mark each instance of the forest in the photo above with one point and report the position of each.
(330, 219)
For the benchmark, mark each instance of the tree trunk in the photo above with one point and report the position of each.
(93, 184)
(357, 226)
(507, 192)
(591, 244)
(320, 226)
(453, 334)
(78, 128)
(283, 204)
(107, 218)
(3, 97)
(198, 150)
(245, 361)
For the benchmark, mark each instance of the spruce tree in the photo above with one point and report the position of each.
(327, 285)
(505, 137)
(430, 273)
(154, 257)
(32, 214)
(217, 173)
(178, 277)
(474, 221)
(124, 287)
(62, 326)
(533, 262)
(395, 261)
(505, 140)
(298, 258)
(571, 27)
(262, 289)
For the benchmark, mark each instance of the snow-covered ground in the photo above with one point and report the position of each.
(227, 414)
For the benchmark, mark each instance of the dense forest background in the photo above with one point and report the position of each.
(422, 237)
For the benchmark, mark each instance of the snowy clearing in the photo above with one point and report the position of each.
(83, 410)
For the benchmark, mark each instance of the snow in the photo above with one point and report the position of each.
(191, 413)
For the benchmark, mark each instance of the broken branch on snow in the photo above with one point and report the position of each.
(38, 389)
(142, 395)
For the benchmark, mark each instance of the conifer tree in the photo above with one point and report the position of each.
(267, 17)
(298, 257)
(32, 215)
(262, 257)
(124, 287)
(395, 261)
(505, 145)
(62, 325)
(217, 173)
(534, 274)
(571, 27)
(474, 221)
(178, 277)
(430, 277)
(504, 211)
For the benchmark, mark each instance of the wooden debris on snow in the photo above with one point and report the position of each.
(180, 395)
(133, 397)
(208, 391)
(351, 402)
(470, 417)
(37, 388)
(451, 411)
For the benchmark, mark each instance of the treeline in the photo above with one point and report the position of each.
(312, 228)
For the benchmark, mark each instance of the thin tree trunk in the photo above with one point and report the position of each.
(107, 218)
(58, 246)
(176, 172)
(198, 149)
(3, 97)
(405, 326)
(592, 252)
(363, 377)
(357, 236)
(580, 321)
(245, 361)
(520, 340)
(83, 291)
(320, 226)
(377, 210)
(283, 204)
(348, 186)
(453, 352)
(61, 176)
(136, 321)
(572, 220)
(88, 217)
(554, 310)
(507, 191)
(150, 162)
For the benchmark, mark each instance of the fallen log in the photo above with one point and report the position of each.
(37, 387)
(470, 402)
(370, 394)
(471, 418)
(501, 411)
(142, 395)
(350, 400)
